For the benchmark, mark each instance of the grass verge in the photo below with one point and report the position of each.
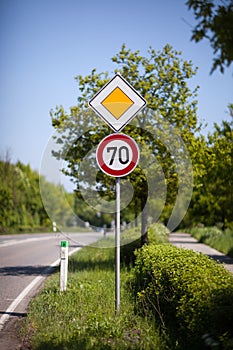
(84, 317)
(214, 237)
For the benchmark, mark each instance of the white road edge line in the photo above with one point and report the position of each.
(27, 240)
(4, 318)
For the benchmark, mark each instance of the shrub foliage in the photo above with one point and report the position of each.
(187, 293)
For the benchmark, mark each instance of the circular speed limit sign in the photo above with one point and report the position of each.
(117, 155)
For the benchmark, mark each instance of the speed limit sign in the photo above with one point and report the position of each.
(117, 155)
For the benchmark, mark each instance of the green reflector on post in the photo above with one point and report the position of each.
(64, 243)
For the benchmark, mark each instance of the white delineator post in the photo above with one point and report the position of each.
(54, 226)
(64, 265)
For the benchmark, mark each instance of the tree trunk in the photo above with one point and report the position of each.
(144, 228)
(136, 217)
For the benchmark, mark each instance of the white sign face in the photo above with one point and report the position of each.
(117, 155)
(117, 103)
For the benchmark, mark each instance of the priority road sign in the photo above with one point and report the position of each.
(117, 103)
(117, 155)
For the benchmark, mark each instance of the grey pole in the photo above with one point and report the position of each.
(117, 248)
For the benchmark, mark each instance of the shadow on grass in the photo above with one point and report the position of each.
(86, 343)
(82, 344)
(81, 264)
(78, 343)
(103, 258)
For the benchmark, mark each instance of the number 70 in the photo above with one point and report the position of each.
(121, 153)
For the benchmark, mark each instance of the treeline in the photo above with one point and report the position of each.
(21, 206)
(212, 199)
(22, 209)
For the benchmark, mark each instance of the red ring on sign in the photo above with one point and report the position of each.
(114, 172)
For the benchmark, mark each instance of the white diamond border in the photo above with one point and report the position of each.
(138, 102)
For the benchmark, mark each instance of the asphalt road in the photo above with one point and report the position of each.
(25, 261)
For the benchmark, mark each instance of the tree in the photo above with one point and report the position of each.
(220, 177)
(19, 195)
(220, 185)
(21, 205)
(161, 78)
(213, 195)
(215, 22)
(57, 202)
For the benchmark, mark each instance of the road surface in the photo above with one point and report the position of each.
(25, 261)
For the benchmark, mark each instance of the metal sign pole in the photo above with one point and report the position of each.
(117, 248)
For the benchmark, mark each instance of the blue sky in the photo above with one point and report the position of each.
(46, 43)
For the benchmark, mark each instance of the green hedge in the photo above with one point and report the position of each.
(189, 294)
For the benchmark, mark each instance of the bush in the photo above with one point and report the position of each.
(203, 234)
(131, 240)
(158, 234)
(189, 294)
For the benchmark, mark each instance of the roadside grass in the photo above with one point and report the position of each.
(214, 237)
(84, 317)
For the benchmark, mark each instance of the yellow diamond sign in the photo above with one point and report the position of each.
(117, 103)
